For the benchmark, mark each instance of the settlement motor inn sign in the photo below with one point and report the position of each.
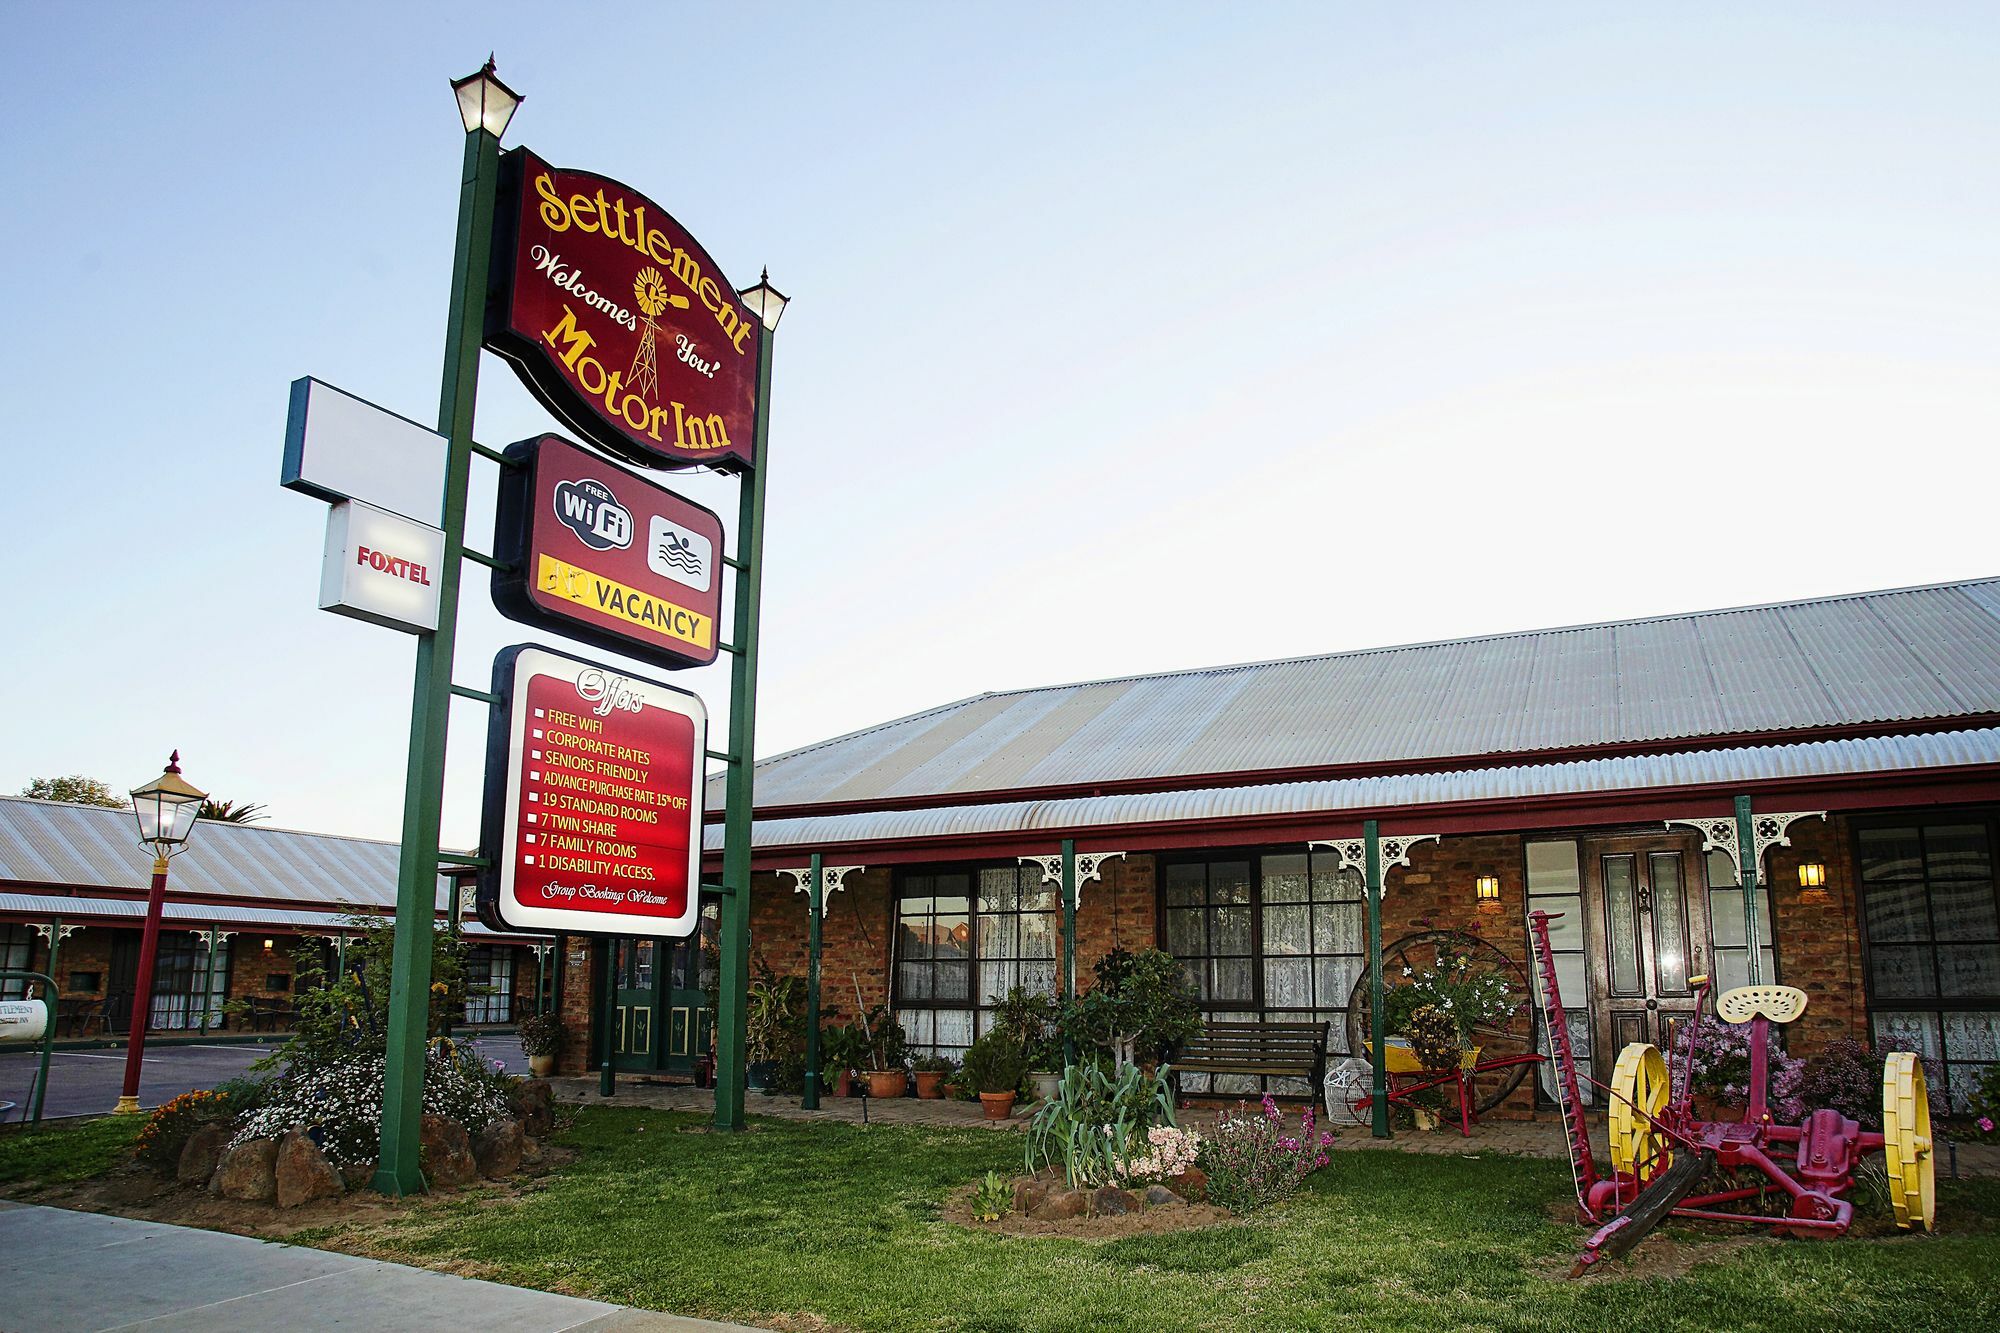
(593, 800)
(612, 315)
(588, 550)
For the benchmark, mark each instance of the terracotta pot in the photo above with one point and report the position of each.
(997, 1105)
(541, 1066)
(843, 1083)
(887, 1082)
(929, 1084)
(1706, 1106)
(951, 1091)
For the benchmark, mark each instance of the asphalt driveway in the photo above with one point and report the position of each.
(87, 1082)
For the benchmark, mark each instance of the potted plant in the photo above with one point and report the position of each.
(932, 1070)
(1031, 1021)
(841, 1047)
(769, 1021)
(994, 1067)
(888, 1053)
(541, 1041)
(1443, 1008)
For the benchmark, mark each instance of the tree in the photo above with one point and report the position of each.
(76, 788)
(228, 812)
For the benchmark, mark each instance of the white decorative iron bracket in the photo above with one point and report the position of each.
(1353, 852)
(468, 899)
(1718, 834)
(1089, 868)
(831, 878)
(216, 937)
(47, 931)
(540, 950)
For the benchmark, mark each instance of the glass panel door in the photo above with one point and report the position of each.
(1647, 931)
(635, 1027)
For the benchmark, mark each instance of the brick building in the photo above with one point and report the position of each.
(1582, 770)
(240, 898)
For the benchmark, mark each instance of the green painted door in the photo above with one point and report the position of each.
(690, 1023)
(635, 1029)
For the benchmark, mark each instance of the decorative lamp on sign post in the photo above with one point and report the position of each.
(766, 301)
(485, 103)
(166, 809)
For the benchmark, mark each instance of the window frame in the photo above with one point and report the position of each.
(901, 888)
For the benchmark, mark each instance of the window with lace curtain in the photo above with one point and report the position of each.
(964, 938)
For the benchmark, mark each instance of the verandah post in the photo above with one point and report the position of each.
(1378, 1054)
(1746, 855)
(816, 906)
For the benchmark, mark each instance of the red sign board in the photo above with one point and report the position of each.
(618, 320)
(591, 551)
(593, 800)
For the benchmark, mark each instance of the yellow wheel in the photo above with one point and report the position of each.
(1639, 1093)
(1906, 1141)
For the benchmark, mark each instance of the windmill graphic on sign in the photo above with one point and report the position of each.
(650, 290)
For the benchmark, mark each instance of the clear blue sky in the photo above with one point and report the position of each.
(1125, 338)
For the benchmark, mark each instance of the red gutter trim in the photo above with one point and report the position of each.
(1374, 768)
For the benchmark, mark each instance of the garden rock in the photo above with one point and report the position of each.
(1029, 1193)
(499, 1148)
(202, 1153)
(1190, 1184)
(1157, 1195)
(248, 1172)
(1061, 1204)
(1110, 1201)
(357, 1174)
(533, 1103)
(447, 1152)
(303, 1173)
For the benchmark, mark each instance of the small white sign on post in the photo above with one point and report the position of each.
(23, 1020)
(381, 567)
(339, 447)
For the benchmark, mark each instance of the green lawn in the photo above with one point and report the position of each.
(842, 1223)
(62, 1153)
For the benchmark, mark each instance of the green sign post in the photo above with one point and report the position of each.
(398, 1171)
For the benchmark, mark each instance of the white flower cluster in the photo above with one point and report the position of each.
(340, 1105)
(1171, 1152)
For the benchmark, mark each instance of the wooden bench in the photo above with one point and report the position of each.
(1269, 1050)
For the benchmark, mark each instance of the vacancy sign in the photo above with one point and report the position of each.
(591, 551)
(381, 567)
(593, 800)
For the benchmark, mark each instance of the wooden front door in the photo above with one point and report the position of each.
(1645, 899)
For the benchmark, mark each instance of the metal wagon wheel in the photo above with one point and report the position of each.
(1497, 1041)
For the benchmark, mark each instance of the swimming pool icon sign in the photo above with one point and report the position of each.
(681, 554)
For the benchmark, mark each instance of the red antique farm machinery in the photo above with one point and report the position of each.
(1753, 1170)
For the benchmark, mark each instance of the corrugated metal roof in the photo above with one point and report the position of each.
(56, 845)
(82, 909)
(1902, 655)
(1729, 765)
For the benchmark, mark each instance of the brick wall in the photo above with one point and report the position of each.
(1818, 936)
(1120, 911)
(855, 938)
(576, 963)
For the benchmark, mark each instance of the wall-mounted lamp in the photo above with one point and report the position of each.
(1487, 888)
(267, 944)
(1812, 875)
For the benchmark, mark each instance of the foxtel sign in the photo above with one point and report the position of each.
(592, 819)
(617, 321)
(381, 567)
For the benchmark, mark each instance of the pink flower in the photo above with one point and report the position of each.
(1986, 1124)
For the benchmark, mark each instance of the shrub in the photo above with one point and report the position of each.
(1458, 992)
(1722, 1067)
(1095, 1125)
(171, 1125)
(338, 1104)
(1984, 1103)
(541, 1034)
(1140, 1009)
(346, 1015)
(994, 1063)
(1251, 1161)
(1032, 1021)
(992, 1200)
(1847, 1076)
(1169, 1153)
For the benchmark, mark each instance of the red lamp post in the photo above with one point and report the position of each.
(166, 809)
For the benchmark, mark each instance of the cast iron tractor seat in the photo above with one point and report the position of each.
(1780, 1004)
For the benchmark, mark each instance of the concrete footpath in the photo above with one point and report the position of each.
(63, 1270)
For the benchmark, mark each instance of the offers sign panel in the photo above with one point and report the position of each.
(596, 553)
(592, 818)
(618, 320)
